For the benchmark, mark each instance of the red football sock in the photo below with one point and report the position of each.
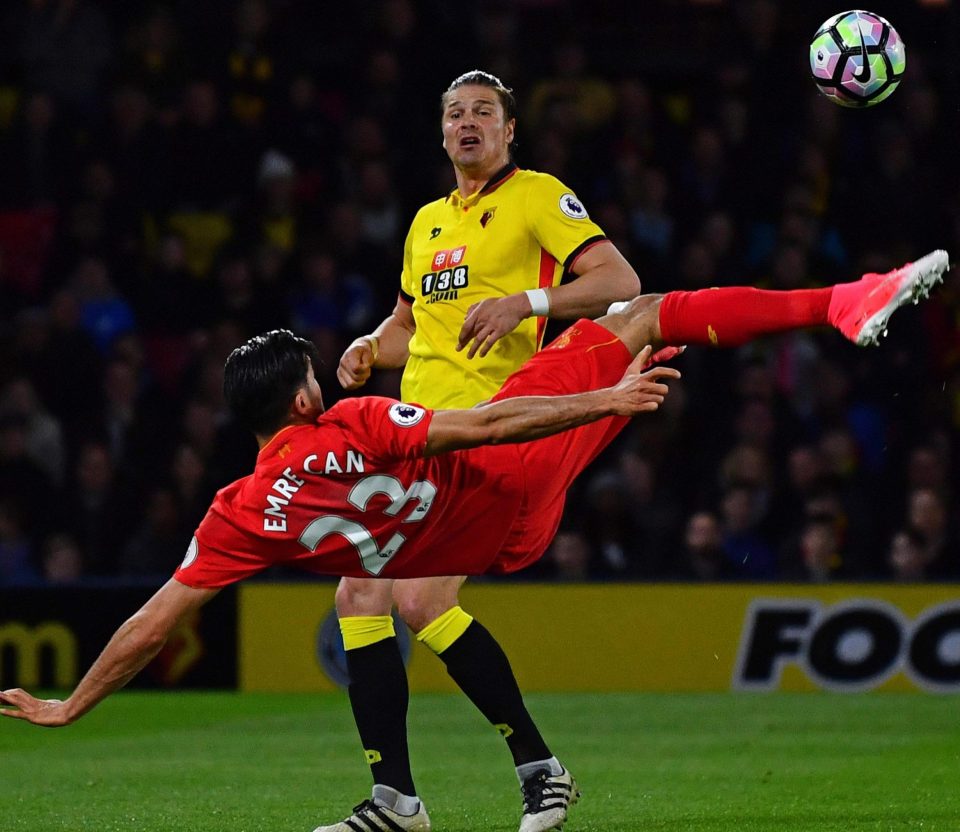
(731, 316)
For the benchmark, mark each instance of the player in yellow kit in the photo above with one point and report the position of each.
(519, 232)
(482, 268)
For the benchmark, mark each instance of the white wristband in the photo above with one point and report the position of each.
(539, 302)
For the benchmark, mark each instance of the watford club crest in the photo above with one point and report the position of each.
(487, 216)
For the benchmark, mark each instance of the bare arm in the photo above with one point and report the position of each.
(603, 276)
(130, 649)
(386, 347)
(525, 418)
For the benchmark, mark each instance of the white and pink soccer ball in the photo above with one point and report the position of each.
(857, 59)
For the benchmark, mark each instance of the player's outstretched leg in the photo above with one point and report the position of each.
(546, 798)
(735, 315)
(371, 816)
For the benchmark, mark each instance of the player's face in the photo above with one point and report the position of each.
(476, 134)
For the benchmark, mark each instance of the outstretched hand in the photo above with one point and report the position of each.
(641, 391)
(51, 713)
(489, 320)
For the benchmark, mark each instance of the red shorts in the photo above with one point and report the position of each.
(584, 357)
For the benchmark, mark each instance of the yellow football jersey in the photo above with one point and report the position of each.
(521, 231)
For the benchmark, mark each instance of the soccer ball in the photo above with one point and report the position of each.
(857, 59)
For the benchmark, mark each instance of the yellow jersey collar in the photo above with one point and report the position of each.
(493, 183)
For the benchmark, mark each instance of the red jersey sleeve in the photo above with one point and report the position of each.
(222, 551)
(385, 430)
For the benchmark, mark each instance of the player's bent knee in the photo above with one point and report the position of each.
(641, 304)
(421, 602)
(360, 596)
(418, 612)
(637, 324)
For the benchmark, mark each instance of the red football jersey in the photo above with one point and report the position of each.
(352, 495)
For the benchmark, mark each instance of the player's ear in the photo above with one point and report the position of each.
(301, 402)
(511, 128)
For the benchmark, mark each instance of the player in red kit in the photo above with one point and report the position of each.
(378, 487)
(367, 490)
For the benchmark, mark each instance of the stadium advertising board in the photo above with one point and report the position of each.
(853, 645)
(657, 637)
(49, 637)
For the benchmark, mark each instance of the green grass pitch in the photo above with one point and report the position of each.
(159, 762)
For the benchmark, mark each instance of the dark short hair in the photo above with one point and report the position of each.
(484, 79)
(261, 377)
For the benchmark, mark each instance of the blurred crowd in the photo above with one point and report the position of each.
(177, 176)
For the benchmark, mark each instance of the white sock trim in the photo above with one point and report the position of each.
(527, 770)
(389, 798)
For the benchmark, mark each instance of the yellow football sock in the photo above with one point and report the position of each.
(363, 630)
(440, 633)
